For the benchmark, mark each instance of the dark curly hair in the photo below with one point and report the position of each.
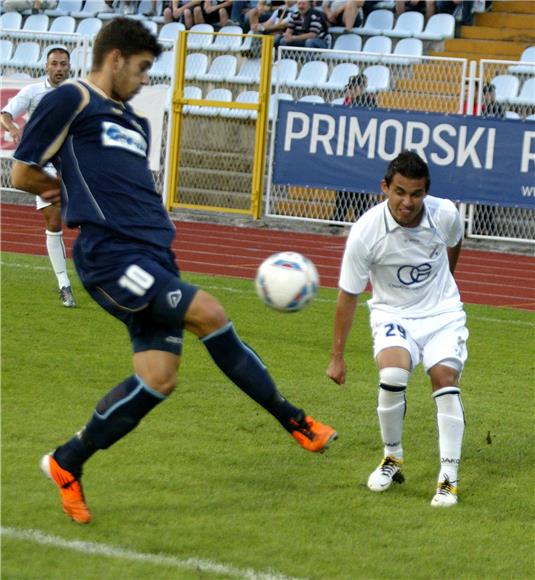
(410, 165)
(127, 35)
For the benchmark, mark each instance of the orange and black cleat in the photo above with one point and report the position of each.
(70, 489)
(312, 435)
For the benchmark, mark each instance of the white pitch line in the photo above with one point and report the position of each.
(94, 548)
(317, 299)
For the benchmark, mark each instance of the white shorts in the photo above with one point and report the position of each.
(40, 203)
(429, 340)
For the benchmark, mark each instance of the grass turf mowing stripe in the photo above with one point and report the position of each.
(94, 548)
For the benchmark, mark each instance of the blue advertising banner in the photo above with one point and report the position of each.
(471, 159)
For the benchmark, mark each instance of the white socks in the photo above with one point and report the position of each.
(57, 255)
(450, 420)
(391, 406)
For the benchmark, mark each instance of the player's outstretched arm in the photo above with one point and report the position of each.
(343, 321)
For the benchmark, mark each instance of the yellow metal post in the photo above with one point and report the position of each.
(176, 126)
(261, 126)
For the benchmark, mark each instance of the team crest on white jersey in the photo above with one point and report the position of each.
(115, 135)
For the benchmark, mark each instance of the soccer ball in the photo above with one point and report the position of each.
(287, 281)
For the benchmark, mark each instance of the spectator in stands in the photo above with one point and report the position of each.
(461, 9)
(277, 23)
(426, 7)
(489, 106)
(355, 95)
(180, 11)
(262, 13)
(307, 27)
(346, 13)
(34, 5)
(57, 70)
(214, 12)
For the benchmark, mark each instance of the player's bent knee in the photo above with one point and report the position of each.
(205, 314)
(394, 377)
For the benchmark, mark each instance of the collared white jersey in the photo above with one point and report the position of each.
(408, 267)
(27, 99)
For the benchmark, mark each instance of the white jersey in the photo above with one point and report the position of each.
(27, 99)
(407, 267)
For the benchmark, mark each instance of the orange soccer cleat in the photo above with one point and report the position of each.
(312, 435)
(70, 489)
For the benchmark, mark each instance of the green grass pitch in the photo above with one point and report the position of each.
(209, 485)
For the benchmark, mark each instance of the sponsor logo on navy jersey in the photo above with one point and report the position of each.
(409, 275)
(114, 135)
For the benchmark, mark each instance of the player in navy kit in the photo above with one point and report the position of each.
(100, 149)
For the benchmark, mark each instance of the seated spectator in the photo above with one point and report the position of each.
(180, 11)
(461, 9)
(278, 21)
(425, 7)
(346, 13)
(34, 5)
(355, 95)
(214, 12)
(261, 13)
(307, 27)
(490, 108)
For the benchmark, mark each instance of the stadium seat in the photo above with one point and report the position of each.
(406, 47)
(283, 70)
(338, 101)
(10, 21)
(512, 115)
(313, 73)
(151, 26)
(244, 97)
(530, 117)
(274, 102)
(145, 6)
(65, 8)
(408, 24)
(78, 57)
(191, 92)
(163, 66)
(169, 32)
(34, 24)
(376, 45)
(196, 65)
(216, 95)
(340, 75)
(222, 68)
(6, 50)
(203, 40)
(91, 9)
(311, 99)
(60, 26)
(438, 27)
(345, 42)
(506, 87)
(527, 60)
(378, 22)
(249, 72)
(26, 54)
(526, 96)
(378, 78)
(89, 27)
(227, 43)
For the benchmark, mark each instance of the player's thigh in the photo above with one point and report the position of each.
(392, 342)
(447, 345)
(204, 315)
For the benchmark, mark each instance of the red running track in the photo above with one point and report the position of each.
(483, 277)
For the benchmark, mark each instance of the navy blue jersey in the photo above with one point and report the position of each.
(100, 147)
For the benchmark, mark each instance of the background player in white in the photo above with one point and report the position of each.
(25, 101)
(408, 246)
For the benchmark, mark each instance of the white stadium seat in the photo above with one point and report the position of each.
(311, 99)
(150, 25)
(192, 92)
(512, 115)
(408, 24)
(196, 65)
(202, 40)
(163, 67)
(378, 78)
(249, 72)
(406, 47)
(312, 74)
(6, 50)
(530, 117)
(26, 54)
(91, 9)
(338, 101)
(169, 32)
(283, 70)
(378, 22)
(216, 95)
(526, 96)
(222, 68)
(34, 24)
(376, 45)
(65, 8)
(438, 27)
(527, 60)
(62, 25)
(340, 75)
(244, 97)
(274, 103)
(225, 43)
(10, 21)
(345, 42)
(506, 87)
(89, 27)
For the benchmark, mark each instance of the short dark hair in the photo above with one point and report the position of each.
(489, 88)
(127, 35)
(57, 49)
(359, 80)
(410, 165)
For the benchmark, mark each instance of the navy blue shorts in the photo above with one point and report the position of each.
(141, 286)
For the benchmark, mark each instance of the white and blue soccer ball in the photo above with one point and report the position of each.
(287, 281)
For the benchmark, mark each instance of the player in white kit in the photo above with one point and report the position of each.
(25, 101)
(408, 247)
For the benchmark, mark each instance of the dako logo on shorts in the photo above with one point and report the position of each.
(173, 298)
(409, 275)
